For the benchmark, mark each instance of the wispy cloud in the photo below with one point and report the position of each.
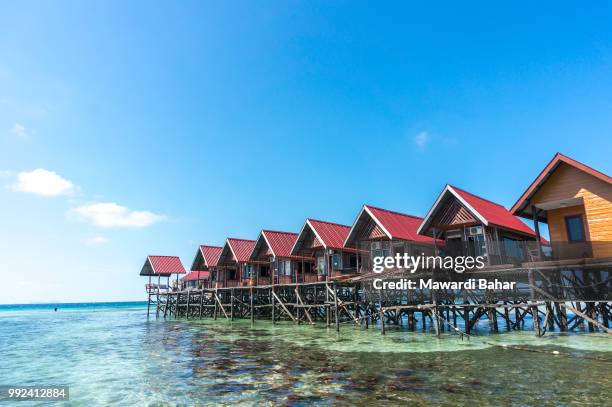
(95, 240)
(42, 182)
(19, 131)
(421, 139)
(112, 215)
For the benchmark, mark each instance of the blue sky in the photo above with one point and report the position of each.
(159, 126)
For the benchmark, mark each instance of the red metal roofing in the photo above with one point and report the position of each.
(331, 235)
(211, 255)
(166, 265)
(241, 248)
(547, 171)
(493, 213)
(399, 225)
(196, 275)
(280, 242)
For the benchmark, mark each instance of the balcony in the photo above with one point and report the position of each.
(517, 252)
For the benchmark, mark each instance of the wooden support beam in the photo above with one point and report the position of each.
(188, 301)
(252, 308)
(283, 307)
(587, 318)
(343, 304)
(232, 304)
(272, 295)
(300, 301)
(221, 305)
(201, 303)
(336, 307)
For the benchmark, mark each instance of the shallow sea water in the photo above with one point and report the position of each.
(111, 354)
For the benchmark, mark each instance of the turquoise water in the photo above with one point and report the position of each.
(111, 354)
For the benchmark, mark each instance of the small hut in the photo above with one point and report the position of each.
(195, 279)
(381, 232)
(575, 201)
(324, 241)
(273, 262)
(161, 266)
(234, 266)
(204, 267)
(474, 226)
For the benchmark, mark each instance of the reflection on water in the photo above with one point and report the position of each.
(120, 357)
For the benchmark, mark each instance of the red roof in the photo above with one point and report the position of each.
(492, 212)
(211, 255)
(196, 275)
(398, 225)
(520, 208)
(241, 248)
(331, 235)
(280, 243)
(166, 265)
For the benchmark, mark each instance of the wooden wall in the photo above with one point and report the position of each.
(569, 182)
(556, 222)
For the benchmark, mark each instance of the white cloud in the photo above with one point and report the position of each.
(42, 182)
(110, 215)
(19, 131)
(95, 240)
(421, 139)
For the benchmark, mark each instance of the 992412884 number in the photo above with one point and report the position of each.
(34, 393)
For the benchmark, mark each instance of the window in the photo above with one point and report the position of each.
(287, 267)
(246, 271)
(321, 265)
(337, 261)
(278, 268)
(352, 260)
(308, 267)
(512, 247)
(575, 228)
(476, 245)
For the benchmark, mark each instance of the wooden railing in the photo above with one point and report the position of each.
(155, 288)
(263, 280)
(310, 278)
(285, 279)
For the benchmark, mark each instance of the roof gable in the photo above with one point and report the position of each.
(211, 255)
(206, 257)
(331, 235)
(236, 250)
(522, 207)
(485, 211)
(162, 266)
(393, 225)
(279, 244)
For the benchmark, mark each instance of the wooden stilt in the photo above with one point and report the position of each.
(232, 304)
(188, 303)
(273, 305)
(201, 303)
(251, 302)
(336, 307)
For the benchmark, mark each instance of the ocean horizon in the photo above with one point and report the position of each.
(72, 304)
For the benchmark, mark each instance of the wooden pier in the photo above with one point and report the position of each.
(535, 306)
